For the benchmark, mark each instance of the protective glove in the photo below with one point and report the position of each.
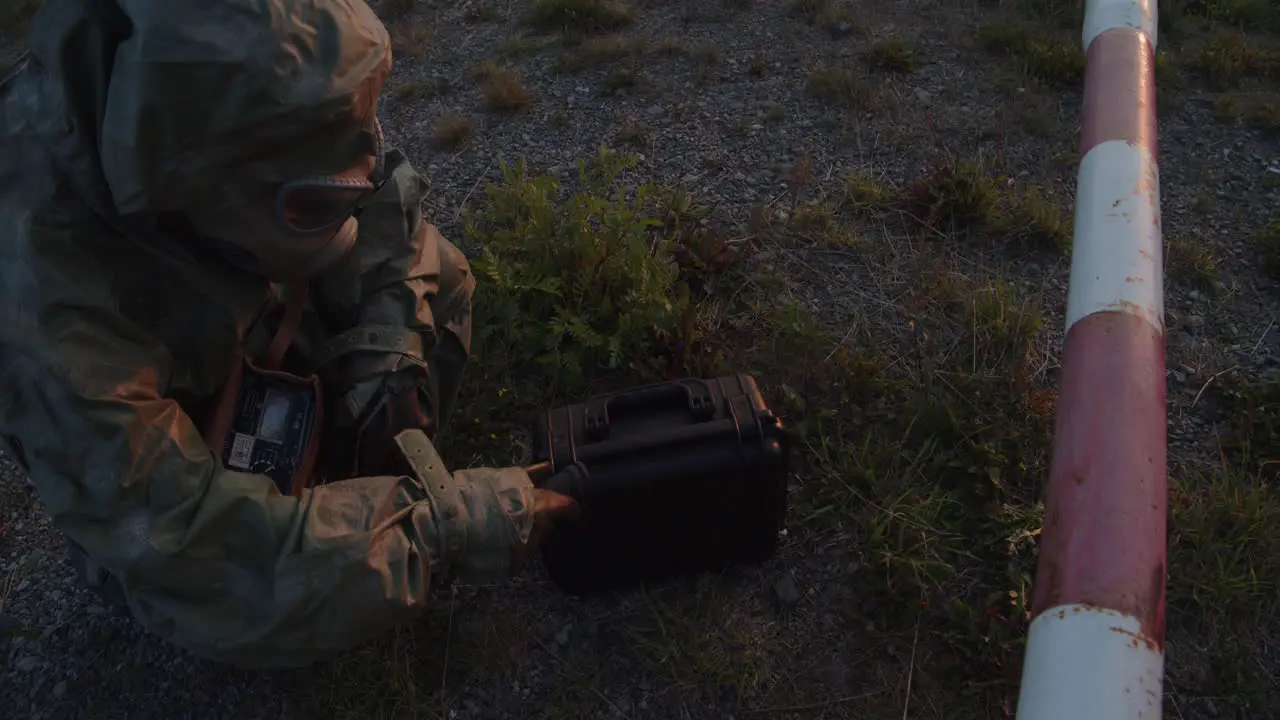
(553, 503)
(480, 521)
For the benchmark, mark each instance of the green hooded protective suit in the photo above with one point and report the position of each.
(120, 325)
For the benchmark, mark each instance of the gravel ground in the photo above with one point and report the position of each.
(729, 125)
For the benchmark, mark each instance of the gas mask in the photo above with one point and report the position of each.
(289, 229)
(286, 229)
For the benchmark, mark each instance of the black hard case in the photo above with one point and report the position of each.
(685, 477)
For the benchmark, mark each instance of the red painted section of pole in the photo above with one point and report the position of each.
(1104, 532)
(1120, 103)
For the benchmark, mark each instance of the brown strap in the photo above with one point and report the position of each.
(295, 299)
(219, 424)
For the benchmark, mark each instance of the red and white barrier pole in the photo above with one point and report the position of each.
(1095, 649)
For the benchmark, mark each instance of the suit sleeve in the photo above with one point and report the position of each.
(397, 315)
(221, 563)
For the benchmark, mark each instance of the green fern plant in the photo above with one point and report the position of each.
(571, 287)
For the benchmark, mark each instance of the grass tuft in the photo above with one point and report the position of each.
(955, 197)
(894, 56)
(600, 51)
(1190, 262)
(867, 192)
(410, 39)
(1052, 58)
(671, 47)
(702, 641)
(811, 10)
(479, 15)
(708, 55)
(1254, 419)
(1262, 112)
(618, 81)
(520, 45)
(1228, 59)
(452, 131)
(827, 13)
(1034, 221)
(579, 17)
(1242, 14)
(1224, 558)
(501, 89)
(634, 133)
(961, 198)
(394, 10)
(427, 88)
(837, 85)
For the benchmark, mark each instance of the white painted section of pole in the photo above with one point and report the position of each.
(1089, 663)
(1103, 15)
(1116, 261)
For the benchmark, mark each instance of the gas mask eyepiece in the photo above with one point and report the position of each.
(316, 205)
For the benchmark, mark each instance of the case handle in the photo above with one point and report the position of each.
(693, 394)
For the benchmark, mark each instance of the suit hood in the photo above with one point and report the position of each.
(142, 104)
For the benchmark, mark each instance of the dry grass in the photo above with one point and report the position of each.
(480, 14)
(409, 39)
(1189, 262)
(1222, 541)
(452, 131)
(837, 85)
(634, 133)
(599, 51)
(671, 47)
(1258, 110)
(501, 89)
(822, 12)
(893, 55)
(579, 17)
(428, 87)
(963, 200)
(1253, 15)
(708, 55)
(1227, 59)
(395, 10)
(1036, 55)
(618, 81)
(517, 46)
(1230, 56)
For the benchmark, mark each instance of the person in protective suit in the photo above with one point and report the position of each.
(227, 334)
